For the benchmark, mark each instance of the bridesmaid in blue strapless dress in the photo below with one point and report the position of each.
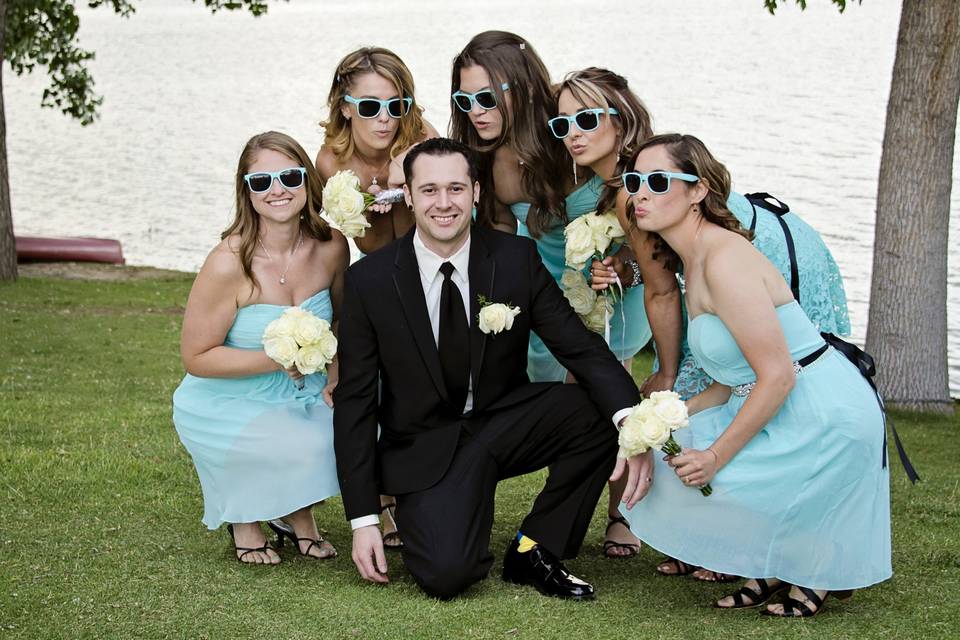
(629, 330)
(794, 454)
(821, 286)
(262, 446)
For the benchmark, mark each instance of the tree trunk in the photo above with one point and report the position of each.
(907, 328)
(8, 247)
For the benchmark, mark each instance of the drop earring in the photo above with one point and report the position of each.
(575, 182)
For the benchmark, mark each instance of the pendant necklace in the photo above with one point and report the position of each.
(373, 180)
(283, 276)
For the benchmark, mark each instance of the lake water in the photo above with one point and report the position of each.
(794, 104)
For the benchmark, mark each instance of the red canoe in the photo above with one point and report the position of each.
(40, 249)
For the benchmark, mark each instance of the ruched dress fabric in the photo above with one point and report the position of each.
(629, 329)
(262, 447)
(821, 285)
(807, 500)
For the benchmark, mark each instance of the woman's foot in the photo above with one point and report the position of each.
(308, 539)
(753, 593)
(388, 523)
(250, 544)
(620, 541)
(706, 575)
(673, 567)
(802, 602)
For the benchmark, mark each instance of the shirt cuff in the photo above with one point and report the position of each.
(620, 415)
(364, 521)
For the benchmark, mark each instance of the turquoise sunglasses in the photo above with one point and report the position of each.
(368, 108)
(657, 181)
(585, 119)
(262, 181)
(486, 98)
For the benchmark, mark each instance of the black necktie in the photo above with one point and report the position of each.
(453, 342)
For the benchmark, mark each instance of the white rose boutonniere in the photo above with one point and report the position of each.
(495, 317)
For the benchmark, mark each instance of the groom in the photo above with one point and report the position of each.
(452, 398)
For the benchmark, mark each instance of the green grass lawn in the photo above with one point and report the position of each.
(100, 532)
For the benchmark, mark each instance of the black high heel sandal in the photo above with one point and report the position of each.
(799, 609)
(391, 540)
(747, 598)
(631, 548)
(284, 530)
(241, 552)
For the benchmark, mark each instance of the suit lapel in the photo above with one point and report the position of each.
(482, 271)
(406, 278)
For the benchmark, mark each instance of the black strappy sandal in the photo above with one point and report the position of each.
(747, 598)
(242, 552)
(391, 540)
(284, 530)
(631, 547)
(717, 576)
(799, 609)
(681, 567)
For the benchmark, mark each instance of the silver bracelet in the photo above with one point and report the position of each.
(637, 277)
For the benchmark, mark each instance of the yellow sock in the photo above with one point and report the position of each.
(526, 544)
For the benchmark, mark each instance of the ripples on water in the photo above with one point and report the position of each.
(793, 104)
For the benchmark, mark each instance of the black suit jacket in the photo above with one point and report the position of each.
(386, 340)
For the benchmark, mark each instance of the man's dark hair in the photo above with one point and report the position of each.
(440, 147)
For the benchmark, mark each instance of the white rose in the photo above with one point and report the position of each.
(596, 320)
(655, 431)
(599, 231)
(274, 329)
(580, 246)
(632, 439)
(577, 292)
(354, 226)
(310, 359)
(668, 407)
(612, 224)
(309, 329)
(342, 197)
(497, 317)
(328, 345)
(282, 350)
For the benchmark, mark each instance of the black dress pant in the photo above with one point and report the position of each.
(446, 528)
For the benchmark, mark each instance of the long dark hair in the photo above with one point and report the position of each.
(506, 57)
(691, 156)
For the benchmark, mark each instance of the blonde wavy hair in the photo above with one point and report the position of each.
(246, 220)
(383, 62)
(691, 156)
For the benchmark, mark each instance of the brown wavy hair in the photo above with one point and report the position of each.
(605, 88)
(383, 62)
(506, 57)
(246, 220)
(691, 156)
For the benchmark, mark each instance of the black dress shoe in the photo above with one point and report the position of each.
(544, 571)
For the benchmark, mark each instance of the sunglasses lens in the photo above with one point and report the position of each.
(486, 99)
(560, 127)
(291, 178)
(658, 182)
(259, 182)
(631, 182)
(397, 108)
(463, 102)
(368, 108)
(587, 120)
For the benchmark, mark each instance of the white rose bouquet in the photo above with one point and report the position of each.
(651, 424)
(344, 203)
(590, 236)
(300, 338)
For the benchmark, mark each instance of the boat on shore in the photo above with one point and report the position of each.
(51, 249)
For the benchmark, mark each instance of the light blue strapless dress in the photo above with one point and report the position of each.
(629, 329)
(807, 500)
(262, 448)
(821, 285)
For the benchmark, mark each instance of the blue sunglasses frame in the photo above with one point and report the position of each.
(384, 104)
(645, 177)
(573, 120)
(275, 175)
(472, 97)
